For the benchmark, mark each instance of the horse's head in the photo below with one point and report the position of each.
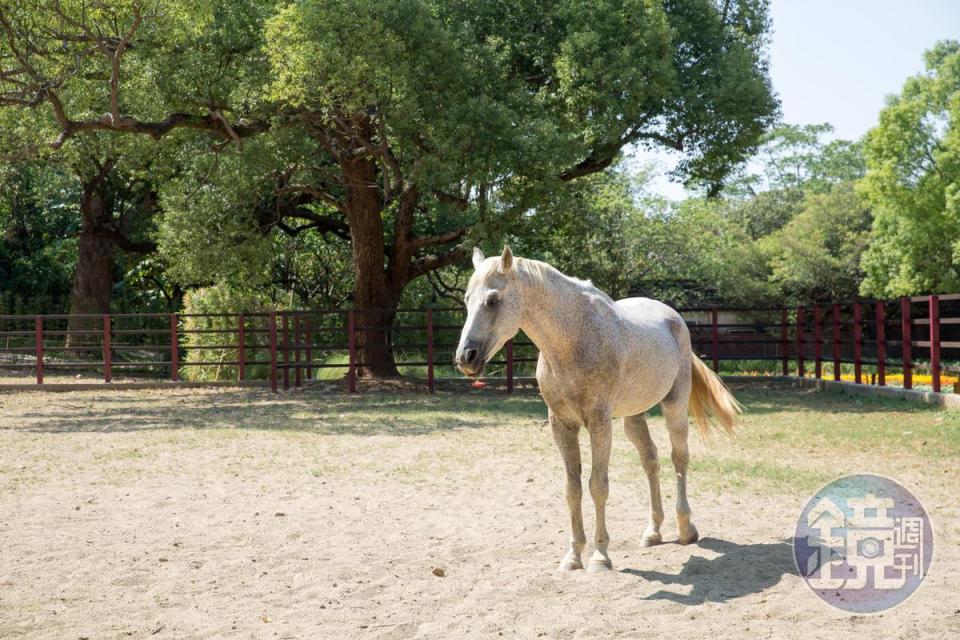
(493, 311)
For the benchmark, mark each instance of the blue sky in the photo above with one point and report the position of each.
(835, 61)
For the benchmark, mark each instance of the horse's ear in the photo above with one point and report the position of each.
(477, 257)
(506, 260)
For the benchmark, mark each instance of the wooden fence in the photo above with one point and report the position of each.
(286, 348)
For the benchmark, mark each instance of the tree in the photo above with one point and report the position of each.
(608, 229)
(913, 183)
(392, 122)
(590, 227)
(113, 198)
(115, 211)
(793, 160)
(111, 206)
(787, 226)
(816, 256)
(38, 228)
(697, 255)
(797, 157)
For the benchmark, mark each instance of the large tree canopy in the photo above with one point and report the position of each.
(913, 183)
(392, 122)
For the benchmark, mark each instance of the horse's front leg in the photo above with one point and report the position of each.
(566, 437)
(600, 442)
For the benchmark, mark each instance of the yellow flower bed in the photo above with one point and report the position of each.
(946, 379)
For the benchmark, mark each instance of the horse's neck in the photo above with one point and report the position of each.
(554, 310)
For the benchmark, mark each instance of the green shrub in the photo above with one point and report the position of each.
(209, 347)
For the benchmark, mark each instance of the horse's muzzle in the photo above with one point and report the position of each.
(469, 360)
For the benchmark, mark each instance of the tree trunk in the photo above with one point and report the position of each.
(93, 278)
(375, 298)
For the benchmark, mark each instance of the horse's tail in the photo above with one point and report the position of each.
(709, 397)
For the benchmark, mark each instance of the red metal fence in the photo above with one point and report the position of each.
(286, 348)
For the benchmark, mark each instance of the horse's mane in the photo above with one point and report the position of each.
(535, 270)
(539, 273)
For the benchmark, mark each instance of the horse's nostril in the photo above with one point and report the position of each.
(469, 356)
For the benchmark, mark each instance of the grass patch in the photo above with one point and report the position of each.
(757, 475)
(801, 419)
(331, 373)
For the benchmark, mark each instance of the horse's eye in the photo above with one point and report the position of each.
(493, 301)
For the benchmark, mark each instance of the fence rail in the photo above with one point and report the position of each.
(286, 348)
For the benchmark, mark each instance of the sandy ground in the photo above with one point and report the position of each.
(209, 514)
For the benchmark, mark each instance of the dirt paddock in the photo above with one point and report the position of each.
(235, 513)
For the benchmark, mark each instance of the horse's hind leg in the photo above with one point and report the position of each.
(637, 432)
(678, 425)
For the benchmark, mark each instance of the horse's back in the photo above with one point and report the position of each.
(651, 314)
(652, 355)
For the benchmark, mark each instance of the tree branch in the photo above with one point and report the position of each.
(155, 129)
(603, 156)
(444, 290)
(591, 164)
(403, 225)
(455, 200)
(41, 89)
(723, 14)
(126, 243)
(418, 242)
(313, 192)
(25, 66)
(432, 262)
(115, 64)
(94, 183)
(323, 224)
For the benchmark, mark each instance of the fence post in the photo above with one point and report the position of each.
(857, 343)
(509, 346)
(881, 313)
(241, 348)
(352, 349)
(285, 345)
(935, 341)
(715, 339)
(906, 321)
(309, 347)
(107, 350)
(273, 352)
(817, 342)
(783, 341)
(296, 349)
(800, 364)
(836, 341)
(174, 349)
(430, 350)
(38, 346)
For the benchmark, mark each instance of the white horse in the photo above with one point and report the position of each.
(599, 359)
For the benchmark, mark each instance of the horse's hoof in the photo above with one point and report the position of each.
(567, 566)
(569, 563)
(692, 535)
(599, 563)
(650, 538)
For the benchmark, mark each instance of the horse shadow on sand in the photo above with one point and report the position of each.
(739, 570)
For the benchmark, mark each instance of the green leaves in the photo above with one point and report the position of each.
(913, 183)
(408, 119)
(816, 256)
(210, 230)
(531, 88)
